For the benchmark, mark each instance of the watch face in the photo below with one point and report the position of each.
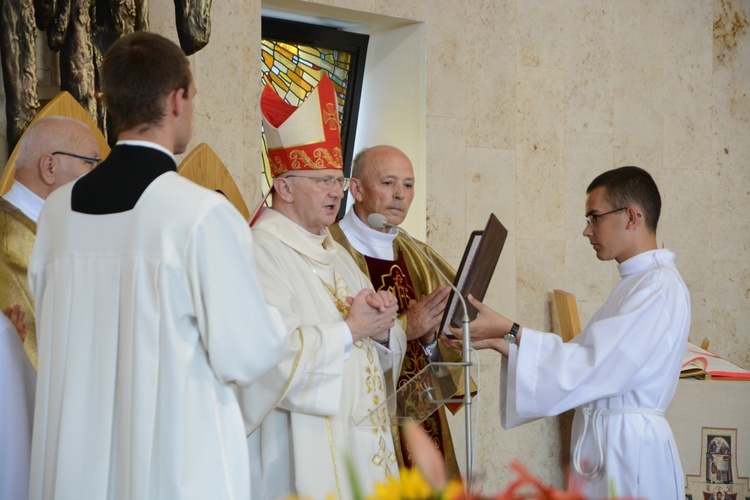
(510, 338)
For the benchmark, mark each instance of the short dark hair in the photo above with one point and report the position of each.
(138, 71)
(631, 185)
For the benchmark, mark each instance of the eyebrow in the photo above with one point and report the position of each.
(395, 177)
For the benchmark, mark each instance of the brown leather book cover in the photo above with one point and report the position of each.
(475, 271)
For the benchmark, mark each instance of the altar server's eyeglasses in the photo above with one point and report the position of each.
(325, 183)
(591, 219)
(94, 161)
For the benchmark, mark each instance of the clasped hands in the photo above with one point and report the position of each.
(372, 314)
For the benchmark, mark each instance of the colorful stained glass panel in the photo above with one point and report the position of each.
(294, 70)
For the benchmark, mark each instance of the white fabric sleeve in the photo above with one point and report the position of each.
(309, 378)
(509, 417)
(348, 340)
(17, 388)
(241, 337)
(611, 356)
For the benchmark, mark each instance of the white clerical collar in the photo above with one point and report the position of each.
(366, 240)
(147, 144)
(25, 200)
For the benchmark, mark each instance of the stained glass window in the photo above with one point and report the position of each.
(295, 55)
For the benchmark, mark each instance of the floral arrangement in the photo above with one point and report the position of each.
(428, 480)
(412, 485)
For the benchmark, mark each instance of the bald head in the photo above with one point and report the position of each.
(39, 169)
(382, 182)
(377, 155)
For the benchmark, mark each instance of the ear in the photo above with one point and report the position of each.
(634, 217)
(48, 168)
(176, 102)
(283, 189)
(355, 189)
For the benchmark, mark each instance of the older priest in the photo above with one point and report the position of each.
(383, 182)
(344, 349)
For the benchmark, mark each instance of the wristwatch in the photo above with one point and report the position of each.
(510, 337)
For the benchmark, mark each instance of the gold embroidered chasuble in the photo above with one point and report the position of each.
(18, 235)
(302, 446)
(424, 279)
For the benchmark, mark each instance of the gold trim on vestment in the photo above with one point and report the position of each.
(333, 456)
(383, 458)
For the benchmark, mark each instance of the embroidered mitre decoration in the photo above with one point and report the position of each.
(305, 137)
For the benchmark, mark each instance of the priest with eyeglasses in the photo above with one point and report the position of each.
(344, 348)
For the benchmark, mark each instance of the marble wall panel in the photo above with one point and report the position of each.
(541, 33)
(491, 189)
(490, 59)
(728, 308)
(638, 73)
(688, 90)
(539, 270)
(729, 214)
(405, 9)
(731, 125)
(701, 307)
(446, 192)
(540, 444)
(649, 159)
(446, 44)
(230, 109)
(685, 226)
(586, 156)
(539, 153)
(589, 66)
(731, 27)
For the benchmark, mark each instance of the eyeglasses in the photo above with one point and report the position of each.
(325, 183)
(87, 159)
(592, 218)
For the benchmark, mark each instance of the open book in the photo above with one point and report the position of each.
(703, 364)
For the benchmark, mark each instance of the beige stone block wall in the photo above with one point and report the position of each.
(525, 102)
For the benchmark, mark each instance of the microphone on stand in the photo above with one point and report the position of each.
(380, 221)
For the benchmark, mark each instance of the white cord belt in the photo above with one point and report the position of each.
(594, 417)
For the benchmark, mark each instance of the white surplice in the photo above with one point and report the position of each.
(17, 385)
(620, 373)
(302, 446)
(148, 319)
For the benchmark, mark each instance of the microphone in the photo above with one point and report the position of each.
(380, 221)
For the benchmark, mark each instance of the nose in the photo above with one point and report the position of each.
(337, 192)
(398, 192)
(587, 231)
